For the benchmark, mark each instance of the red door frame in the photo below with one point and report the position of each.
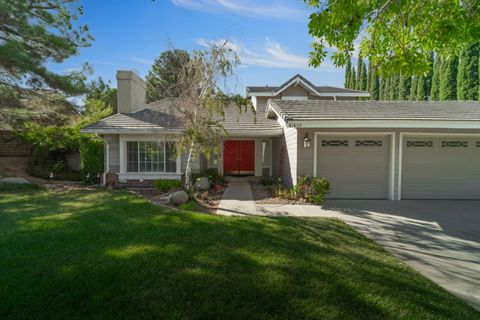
(239, 157)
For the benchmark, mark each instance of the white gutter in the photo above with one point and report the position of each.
(385, 123)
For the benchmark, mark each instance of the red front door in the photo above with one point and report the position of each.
(239, 157)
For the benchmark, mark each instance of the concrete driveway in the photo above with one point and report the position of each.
(440, 239)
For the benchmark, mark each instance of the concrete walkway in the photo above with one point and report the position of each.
(237, 199)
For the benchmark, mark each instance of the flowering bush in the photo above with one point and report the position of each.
(312, 189)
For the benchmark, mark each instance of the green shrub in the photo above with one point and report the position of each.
(167, 185)
(91, 158)
(312, 189)
(213, 176)
(280, 191)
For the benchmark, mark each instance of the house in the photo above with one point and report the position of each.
(366, 149)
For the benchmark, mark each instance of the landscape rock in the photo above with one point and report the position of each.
(15, 180)
(178, 197)
(202, 184)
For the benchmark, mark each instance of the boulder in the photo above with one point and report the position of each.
(15, 181)
(202, 184)
(178, 197)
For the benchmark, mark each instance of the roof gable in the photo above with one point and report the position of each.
(298, 79)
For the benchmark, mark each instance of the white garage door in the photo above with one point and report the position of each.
(441, 168)
(357, 167)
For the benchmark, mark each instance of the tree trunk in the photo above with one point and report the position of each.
(188, 170)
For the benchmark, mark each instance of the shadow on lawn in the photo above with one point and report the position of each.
(112, 255)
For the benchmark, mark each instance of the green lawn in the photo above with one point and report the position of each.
(87, 254)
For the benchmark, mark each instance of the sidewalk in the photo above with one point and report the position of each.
(237, 200)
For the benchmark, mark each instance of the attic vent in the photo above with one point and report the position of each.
(334, 143)
(419, 144)
(369, 143)
(454, 144)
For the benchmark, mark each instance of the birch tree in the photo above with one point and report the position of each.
(202, 102)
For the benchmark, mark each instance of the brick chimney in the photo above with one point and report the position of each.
(130, 92)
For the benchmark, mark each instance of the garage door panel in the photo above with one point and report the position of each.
(356, 168)
(449, 168)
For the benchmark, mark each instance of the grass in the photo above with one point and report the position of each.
(12, 187)
(111, 255)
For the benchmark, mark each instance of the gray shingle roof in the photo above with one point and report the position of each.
(158, 117)
(320, 89)
(376, 110)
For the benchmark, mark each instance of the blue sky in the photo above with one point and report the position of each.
(271, 37)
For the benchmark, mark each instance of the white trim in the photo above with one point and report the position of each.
(421, 134)
(323, 94)
(148, 176)
(344, 94)
(391, 176)
(385, 123)
(254, 133)
(126, 130)
(297, 80)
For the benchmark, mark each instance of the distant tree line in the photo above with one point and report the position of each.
(447, 78)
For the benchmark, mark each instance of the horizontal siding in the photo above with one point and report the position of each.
(290, 160)
(114, 153)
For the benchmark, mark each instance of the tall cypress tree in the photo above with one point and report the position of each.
(348, 72)
(374, 84)
(363, 78)
(424, 82)
(420, 93)
(353, 79)
(435, 88)
(429, 77)
(386, 89)
(360, 74)
(404, 84)
(468, 75)
(448, 79)
(393, 88)
(413, 89)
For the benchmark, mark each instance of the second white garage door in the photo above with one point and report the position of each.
(356, 167)
(441, 168)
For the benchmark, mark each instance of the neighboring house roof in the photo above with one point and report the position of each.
(299, 79)
(320, 111)
(158, 117)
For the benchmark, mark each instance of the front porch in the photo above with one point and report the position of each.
(244, 156)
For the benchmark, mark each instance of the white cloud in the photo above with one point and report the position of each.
(141, 60)
(271, 55)
(259, 9)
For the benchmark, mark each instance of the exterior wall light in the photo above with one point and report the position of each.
(306, 141)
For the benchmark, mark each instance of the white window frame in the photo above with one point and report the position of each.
(124, 175)
(139, 160)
